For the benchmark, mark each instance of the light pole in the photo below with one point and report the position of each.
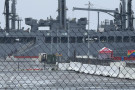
(89, 6)
(51, 43)
(58, 41)
(68, 40)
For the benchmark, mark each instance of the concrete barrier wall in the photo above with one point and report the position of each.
(118, 64)
(127, 72)
(63, 66)
(116, 69)
(99, 70)
(83, 67)
(77, 66)
(90, 69)
(110, 71)
(72, 66)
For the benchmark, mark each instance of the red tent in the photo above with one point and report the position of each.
(105, 53)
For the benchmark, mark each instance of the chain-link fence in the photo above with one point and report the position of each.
(63, 65)
(68, 56)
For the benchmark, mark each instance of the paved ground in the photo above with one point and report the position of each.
(47, 80)
(13, 77)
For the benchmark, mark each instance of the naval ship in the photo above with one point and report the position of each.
(68, 37)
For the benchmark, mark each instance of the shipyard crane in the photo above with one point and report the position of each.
(120, 17)
(98, 10)
(115, 14)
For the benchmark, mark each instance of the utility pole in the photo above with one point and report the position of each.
(89, 6)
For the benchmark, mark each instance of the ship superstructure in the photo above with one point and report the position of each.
(67, 37)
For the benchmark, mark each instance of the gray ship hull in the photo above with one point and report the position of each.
(68, 44)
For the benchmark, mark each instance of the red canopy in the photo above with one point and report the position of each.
(105, 50)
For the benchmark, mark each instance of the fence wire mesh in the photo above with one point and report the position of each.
(68, 56)
(63, 65)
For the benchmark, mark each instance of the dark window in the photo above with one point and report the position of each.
(126, 39)
(64, 40)
(118, 39)
(28, 19)
(24, 39)
(47, 39)
(2, 40)
(72, 40)
(56, 40)
(86, 39)
(20, 39)
(90, 39)
(110, 39)
(79, 39)
(29, 39)
(103, 39)
(8, 40)
(96, 39)
(17, 39)
(12, 40)
(133, 38)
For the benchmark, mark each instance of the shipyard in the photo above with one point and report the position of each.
(62, 53)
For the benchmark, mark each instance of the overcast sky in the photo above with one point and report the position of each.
(41, 9)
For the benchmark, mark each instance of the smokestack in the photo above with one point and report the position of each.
(13, 11)
(7, 14)
(62, 13)
(129, 12)
(123, 14)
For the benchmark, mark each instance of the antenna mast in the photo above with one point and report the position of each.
(89, 6)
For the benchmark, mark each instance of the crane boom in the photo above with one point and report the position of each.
(99, 10)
